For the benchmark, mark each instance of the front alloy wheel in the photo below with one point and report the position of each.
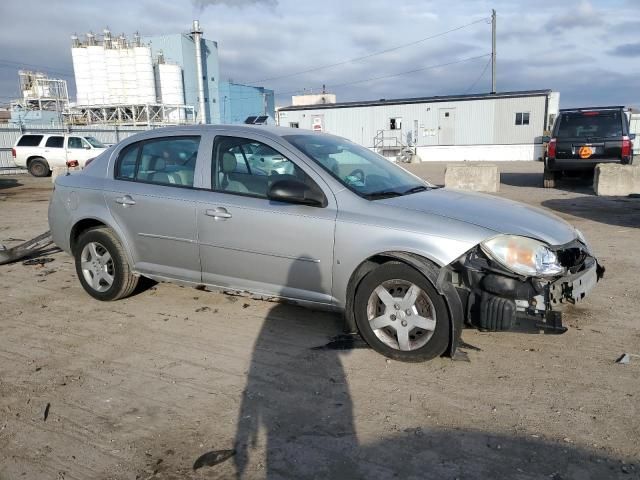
(401, 315)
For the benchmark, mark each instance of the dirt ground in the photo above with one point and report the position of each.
(180, 383)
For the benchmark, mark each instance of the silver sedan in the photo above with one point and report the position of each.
(334, 226)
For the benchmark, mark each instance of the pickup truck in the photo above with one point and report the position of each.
(39, 153)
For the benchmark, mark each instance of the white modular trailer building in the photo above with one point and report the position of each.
(497, 126)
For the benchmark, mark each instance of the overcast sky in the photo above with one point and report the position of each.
(589, 50)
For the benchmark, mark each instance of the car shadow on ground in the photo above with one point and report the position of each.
(297, 420)
(8, 183)
(578, 184)
(618, 211)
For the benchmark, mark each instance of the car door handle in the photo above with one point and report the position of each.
(125, 200)
(217, 213)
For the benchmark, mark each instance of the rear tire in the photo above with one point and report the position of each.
(407, 320)
(549, 178)
(102, 267)
(38, 167)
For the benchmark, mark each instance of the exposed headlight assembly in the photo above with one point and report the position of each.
(523, 255)
(583, 239)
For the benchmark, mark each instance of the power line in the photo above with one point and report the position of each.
(381, 52)
(484, 70)
(408, 72)
(17, 66)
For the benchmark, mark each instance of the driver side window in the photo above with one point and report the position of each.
(244, 166)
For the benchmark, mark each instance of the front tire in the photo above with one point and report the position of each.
(102, 267)
(400, 314)
(38, 167)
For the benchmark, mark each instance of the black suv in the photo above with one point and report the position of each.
(584, 137)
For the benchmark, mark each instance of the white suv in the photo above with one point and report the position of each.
(40, 153)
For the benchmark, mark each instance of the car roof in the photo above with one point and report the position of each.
(266, 130)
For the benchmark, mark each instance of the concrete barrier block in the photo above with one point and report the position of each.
(616, 180)
(476, 177)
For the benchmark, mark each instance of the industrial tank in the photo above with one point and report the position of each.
(146, 91)
(170, 89)
(81, 68)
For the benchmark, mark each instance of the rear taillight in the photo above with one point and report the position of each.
(627, 145)
(72, 163)
(551, 148)
(13, 152)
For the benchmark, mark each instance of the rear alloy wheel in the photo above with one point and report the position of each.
(549, 178)
(102, 266)
(38, 167)
(400, 314)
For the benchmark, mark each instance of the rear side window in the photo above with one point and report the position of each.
(604, 124)
(167, 161)
(55, 142)
(30, 140)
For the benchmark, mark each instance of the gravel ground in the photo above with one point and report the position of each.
(180, 383)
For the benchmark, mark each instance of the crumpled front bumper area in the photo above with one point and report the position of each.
(495, 297)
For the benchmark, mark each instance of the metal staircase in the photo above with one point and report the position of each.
(390, 144)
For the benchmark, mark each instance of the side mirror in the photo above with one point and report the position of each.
(546, 139)
(295, 191)
(632, 136)
(87, 147)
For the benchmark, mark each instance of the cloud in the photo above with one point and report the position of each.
(576, 18)
(626, 50)
(202, 4)
(274, 38)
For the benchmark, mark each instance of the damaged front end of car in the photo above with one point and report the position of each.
(509, 276)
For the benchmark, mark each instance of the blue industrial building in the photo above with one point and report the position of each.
(225, 102)
(238, 102)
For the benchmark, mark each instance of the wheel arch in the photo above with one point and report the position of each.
(434, 273)
(36, 157)
(86, 223)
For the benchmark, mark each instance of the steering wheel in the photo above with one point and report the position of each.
(359, 174)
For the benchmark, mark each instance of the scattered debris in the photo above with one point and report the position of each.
(203, 309)
(245, 305)
(343, 342)
(212, 458)
(461, 356)
(37, 261)
(468, 346)
(624, 359)
(46, 411)
(30, 247)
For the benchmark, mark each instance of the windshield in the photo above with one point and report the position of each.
(590, 124)
(357, 168)
(95, 143)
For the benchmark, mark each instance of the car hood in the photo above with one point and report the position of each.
(493, 213)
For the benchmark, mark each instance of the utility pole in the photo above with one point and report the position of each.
(493, 51)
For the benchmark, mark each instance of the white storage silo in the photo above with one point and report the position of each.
(129, 76)
(114, 75)
(98, 93)
(170, 88)
(144, 75)
(82, 73)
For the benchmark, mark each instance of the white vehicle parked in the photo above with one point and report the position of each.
(39, 153)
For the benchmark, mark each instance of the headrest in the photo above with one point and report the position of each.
(229, 162)
(158, 164)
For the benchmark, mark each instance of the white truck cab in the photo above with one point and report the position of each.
(40, 153)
